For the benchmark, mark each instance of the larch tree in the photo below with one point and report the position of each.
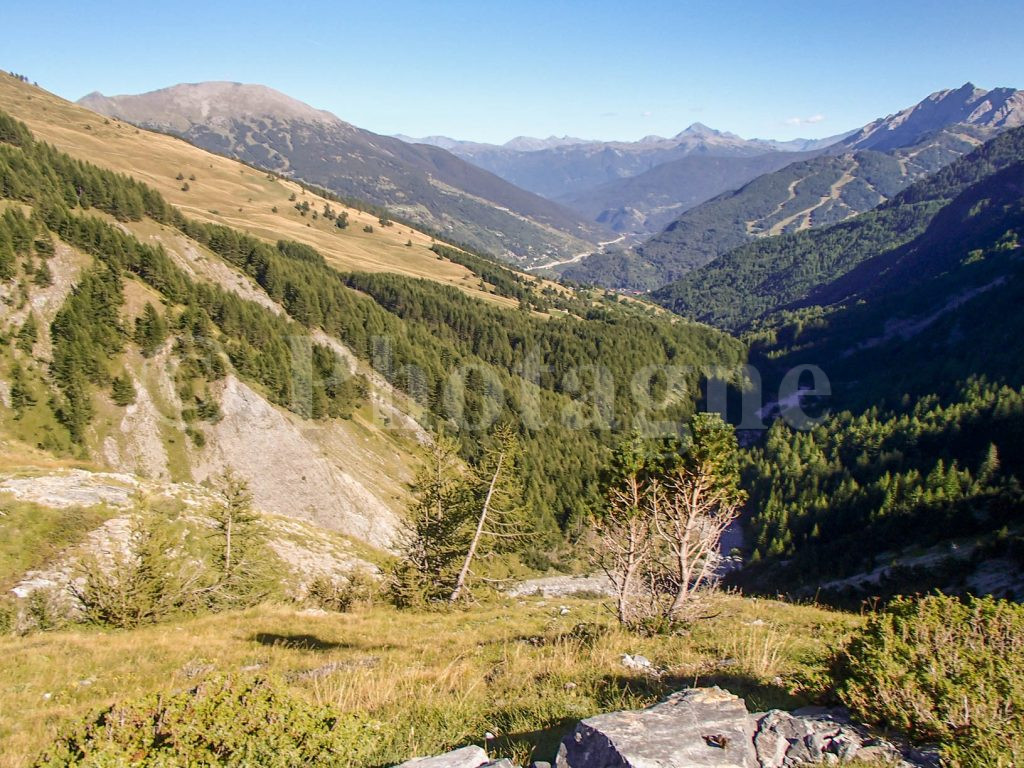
(659, 535)
(497, 498)
(693, 506)
(625, 545)
(239, 540)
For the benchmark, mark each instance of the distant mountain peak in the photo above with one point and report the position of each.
(698, 129)
(186, 104)
(531, 144)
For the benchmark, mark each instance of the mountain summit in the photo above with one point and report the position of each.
(1000, 108)
(185, 105)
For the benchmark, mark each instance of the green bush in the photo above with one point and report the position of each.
(8, 616)
(222, 722)
(146, 584)
(944, 670)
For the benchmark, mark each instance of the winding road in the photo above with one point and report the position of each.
(578, 256)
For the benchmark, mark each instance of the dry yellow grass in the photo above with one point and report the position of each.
(511, 667)
(227, 192)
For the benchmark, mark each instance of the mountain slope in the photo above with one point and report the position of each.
(757, 279)
(915, 485)
(223, 191)
(424, 184)
(131, 352)
(513, 349)
(938, 310)
(854, 175)
(1000, 108)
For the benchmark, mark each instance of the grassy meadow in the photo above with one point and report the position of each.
(415, 683)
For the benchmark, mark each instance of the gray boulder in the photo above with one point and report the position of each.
(783, 739)
(711, 728)
(466, 757)
(698, 728)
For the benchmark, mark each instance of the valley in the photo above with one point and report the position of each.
(330, 446)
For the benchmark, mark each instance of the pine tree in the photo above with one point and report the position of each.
(43, 277)
(497, 498)
(143, 585)
(123, 390)
(990, 465)
(150, 330)
(437, 528)
(21, 394)
(240, 558)
(28, 334)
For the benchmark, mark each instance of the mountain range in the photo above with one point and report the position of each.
(851, 176)
(423, 184)
(631, 187)
(310, 358)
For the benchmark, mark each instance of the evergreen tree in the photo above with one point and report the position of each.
(21, 393)
(28, 334)
(42, 276)
(436, 531)
(123, 390)
(497, 505)
(241, 560)
(150, 330)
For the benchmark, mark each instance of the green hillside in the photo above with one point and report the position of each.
(755, 280)
(922, 346)
(536, 368)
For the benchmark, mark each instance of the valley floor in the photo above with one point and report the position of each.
(418, 683)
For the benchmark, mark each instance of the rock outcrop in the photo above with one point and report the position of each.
(562, 586)
(705, 728)
(711, 727)
(699, 727)
(466, 757)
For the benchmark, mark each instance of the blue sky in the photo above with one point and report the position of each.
(491, 70)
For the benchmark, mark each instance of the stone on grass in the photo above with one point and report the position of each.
(465, 757)
(698, 728)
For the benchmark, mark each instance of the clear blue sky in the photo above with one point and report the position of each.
(491, 70)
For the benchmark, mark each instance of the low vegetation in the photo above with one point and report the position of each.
(944, 671)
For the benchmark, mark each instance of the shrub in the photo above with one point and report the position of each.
(44, 610)
(944, 670)
(341, 596)
(8, 616)
(144, 585)
(221, 722)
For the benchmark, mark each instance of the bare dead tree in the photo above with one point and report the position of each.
(625, 545)
(690, 517)
(660, 535)
(693, 506)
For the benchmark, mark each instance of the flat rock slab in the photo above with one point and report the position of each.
(705, 727)
(466, 757)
